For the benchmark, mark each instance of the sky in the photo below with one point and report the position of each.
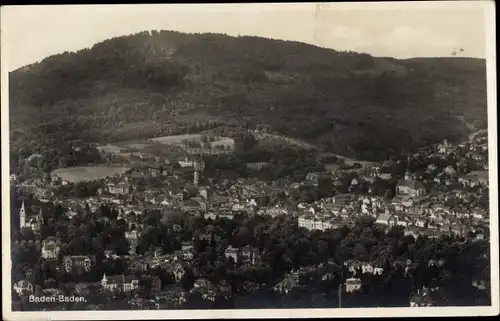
(400, 30)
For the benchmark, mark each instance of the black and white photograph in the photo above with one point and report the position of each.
(167, 161)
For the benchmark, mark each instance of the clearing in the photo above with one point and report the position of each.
(87, 173)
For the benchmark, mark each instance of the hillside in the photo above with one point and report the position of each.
(164, 83)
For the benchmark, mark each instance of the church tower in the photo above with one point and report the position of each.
(408, 175)
(198, 166)
(22, 216)
(104, 280)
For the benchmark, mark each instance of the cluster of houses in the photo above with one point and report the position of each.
(413, 207)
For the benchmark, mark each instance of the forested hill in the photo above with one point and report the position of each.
(156, 83)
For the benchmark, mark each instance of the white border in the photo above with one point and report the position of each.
(277, 313)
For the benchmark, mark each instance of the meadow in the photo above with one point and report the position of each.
(87, 173)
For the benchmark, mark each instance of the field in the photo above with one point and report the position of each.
(88, 173)
(178, 140)
(172, 147)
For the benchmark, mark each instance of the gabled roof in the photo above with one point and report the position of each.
(121, 279)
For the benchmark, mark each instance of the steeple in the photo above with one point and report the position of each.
(22, 216)
(104, 279)
(407, 172)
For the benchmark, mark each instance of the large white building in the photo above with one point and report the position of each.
(122, 282)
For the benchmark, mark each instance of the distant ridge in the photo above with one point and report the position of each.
(154, 82)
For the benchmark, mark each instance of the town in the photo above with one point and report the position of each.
(172, 235)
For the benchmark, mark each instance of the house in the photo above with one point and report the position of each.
(287, 284)
(23, 287)
(205, 288)
(409, 186)
(175, 269)
(50, 249)
(133, 239)
(449, 170)
(431, 168)
(386, 219)
(385, 176)
(173, 295)
(193, 205)
(249, 255)
(121, 282)
(367, 268)
(474, 178)
(444, 148)
(205, 192)
(186, 163)
(110, 254)
(352, 284)
(231, 252)
(118, 189)
(187, 246)
(78, 263)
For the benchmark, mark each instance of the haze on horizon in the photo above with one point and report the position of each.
(399, 30)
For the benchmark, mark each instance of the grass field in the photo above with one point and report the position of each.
(87, 173)
(177, 140)
(171, 147)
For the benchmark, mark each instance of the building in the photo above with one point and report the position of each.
(367, 268)
(249, 255)
(444, 148)
(133, 239)
(352, 284)
(178, 272)
(287, 284)
(22, 216)
(186, 163)
(121, 282)
(119, 189)
(22, 287)
(386, 219)
(34, 222)
(312, 224)
(78, 263)
(231, 252)
(198, 167)
(409, 186)
(174, 268)
(50, 249)
(193, 205)
(474, 178)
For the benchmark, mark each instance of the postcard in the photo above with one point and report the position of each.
(187, 161)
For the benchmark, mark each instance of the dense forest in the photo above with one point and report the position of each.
(164, 82)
